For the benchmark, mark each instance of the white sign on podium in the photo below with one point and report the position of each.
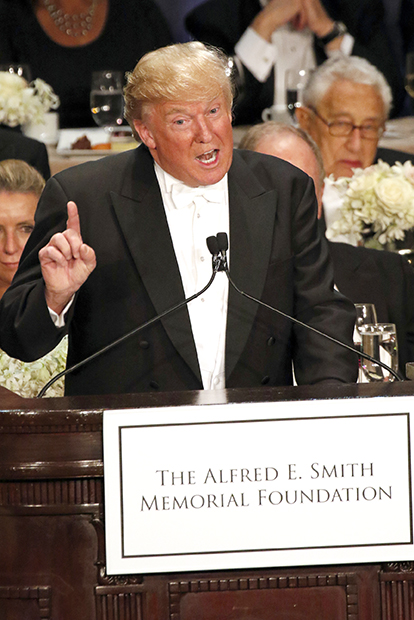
(258, 485)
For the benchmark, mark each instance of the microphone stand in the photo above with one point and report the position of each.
(63, 373)
(222, 243)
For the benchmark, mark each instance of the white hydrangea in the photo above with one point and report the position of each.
(28, 378)
(21, 102)
(378, 199)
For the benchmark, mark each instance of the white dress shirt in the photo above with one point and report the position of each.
(289, 49)
(193, 214)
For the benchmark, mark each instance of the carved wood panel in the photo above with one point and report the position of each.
(397, 591)
(25, 602)
(302, 597)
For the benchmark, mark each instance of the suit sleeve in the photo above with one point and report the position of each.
(319, 305)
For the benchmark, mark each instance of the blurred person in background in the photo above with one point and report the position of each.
(268, 37)
(345, 107)
(20, 189)
(14, 145)
(64, 41)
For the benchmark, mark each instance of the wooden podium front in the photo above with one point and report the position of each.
(52, 547)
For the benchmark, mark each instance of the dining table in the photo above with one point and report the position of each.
(398, 135)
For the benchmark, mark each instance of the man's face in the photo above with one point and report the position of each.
(16, 223)
(345, 101)
(191, 141)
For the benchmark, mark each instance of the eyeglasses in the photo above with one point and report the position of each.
(369, 131)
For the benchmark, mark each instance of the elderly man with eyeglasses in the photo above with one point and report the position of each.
(345, 106)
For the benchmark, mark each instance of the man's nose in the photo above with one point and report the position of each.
(204, 133)
(354, 139)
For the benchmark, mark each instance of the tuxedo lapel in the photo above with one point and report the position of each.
(252, 216)
(141, 216)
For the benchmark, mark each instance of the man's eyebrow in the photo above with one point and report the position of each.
(177, 111)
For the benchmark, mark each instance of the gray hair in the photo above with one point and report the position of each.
(352, 68)
(256, 133)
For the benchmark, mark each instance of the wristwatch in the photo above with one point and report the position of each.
(338, 30)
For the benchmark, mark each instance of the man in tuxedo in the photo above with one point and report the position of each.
(14, 145)
(118, 241)
(268, 37)
(362, 274)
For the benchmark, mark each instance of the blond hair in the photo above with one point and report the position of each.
(184, 71)
(18, 176)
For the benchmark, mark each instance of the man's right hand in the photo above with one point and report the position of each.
(275, 14)
(66, 262)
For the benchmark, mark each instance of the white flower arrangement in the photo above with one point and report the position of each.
(378, 200)
(21, 102)
(28, 378)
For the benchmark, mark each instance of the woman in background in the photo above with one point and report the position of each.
(63, 41)
(20, 189)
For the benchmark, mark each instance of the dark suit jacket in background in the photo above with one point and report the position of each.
(384, 279)
(222, 23)
(391, 156)
(276, 255)
(14, 145)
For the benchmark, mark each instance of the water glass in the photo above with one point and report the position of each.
(365, 313)
(295, 82)
(379, 340)
(106, 98)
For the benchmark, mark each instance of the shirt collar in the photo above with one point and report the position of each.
(167, 182)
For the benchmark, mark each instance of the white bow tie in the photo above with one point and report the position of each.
(183, 195)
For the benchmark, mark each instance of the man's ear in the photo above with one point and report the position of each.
(303, 116)
(145, 134)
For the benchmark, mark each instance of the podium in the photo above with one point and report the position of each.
(52, 536)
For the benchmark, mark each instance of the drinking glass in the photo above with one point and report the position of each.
(365, 313)
(106, 98)
(409, 74)
(379, 340)
(295, 82)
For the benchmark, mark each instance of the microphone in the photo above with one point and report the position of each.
(216, 265)
(223, 244)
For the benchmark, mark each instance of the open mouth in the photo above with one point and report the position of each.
(209, 157)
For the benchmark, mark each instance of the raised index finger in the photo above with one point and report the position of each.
(73, 222)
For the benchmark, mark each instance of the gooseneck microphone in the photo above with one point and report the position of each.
(221, 246)
(214, 249)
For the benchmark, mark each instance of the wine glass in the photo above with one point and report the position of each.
(107, 99)
(365, 313)
(295, 82)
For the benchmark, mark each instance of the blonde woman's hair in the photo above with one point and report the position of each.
(184, 71)
(18, 176)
